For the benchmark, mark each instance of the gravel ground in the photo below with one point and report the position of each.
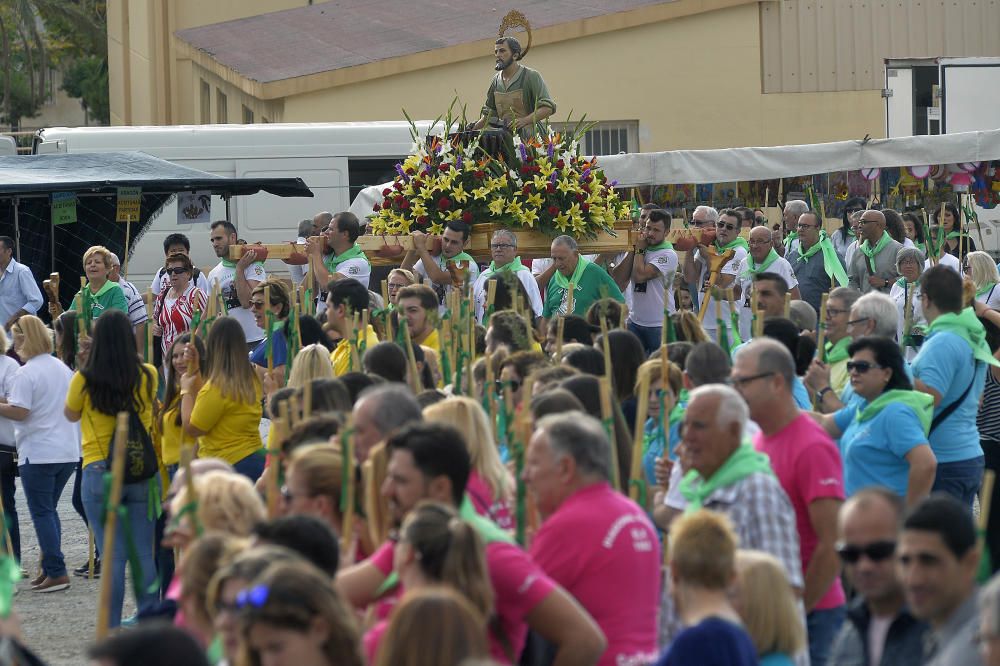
(59, 626)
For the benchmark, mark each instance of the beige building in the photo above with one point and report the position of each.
(655, 74)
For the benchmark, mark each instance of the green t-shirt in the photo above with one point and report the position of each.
(584, 294)
(109, 297)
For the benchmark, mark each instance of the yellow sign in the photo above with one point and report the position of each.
(129, 203)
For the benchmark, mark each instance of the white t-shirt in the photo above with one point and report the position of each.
(781, 267)
(161, 281)
(46, 436)
(357, 269)
(647, 299)
(442, 291)
(136, 306)
(530, 286)
(949, 260)
(8, 369)
(731, 267)
(991, 298)
(226, 277)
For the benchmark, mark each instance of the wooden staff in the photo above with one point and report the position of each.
(111, 521)
(491, 294)
(638, 439)
(294, 413)
(907, 315)
(471, 345)
(272, 492)
(570, 298)
(788, 304)
(353, 342)
(758, 320)
(560, 331)
(718, 317)
(606, 344)
(608, 416)
(415, 384)
(148, 299)
(715, 263)
(307, 399)
(347, 459)
(91, 554)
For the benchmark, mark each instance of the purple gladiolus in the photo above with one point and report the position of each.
(614, 183)
(402, 174)
(552, 150)
(552, 178)
(524, 153)
(586, 172)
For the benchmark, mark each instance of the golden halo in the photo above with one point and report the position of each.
(515, 19)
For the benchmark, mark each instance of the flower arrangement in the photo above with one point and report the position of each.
(541, 184)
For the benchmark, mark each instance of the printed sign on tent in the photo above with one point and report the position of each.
(129, 202)
(194, 207)
(63, 208)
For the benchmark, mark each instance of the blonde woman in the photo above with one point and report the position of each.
(227, 502)
(313, 483)
(100, 294)
(767, 604)
(398, 279)
(982, 270)
(490, 484)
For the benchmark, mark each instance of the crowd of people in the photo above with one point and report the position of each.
(765, 449)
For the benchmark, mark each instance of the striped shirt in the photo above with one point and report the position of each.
(174, 315)
(136, 306)
(988, 419)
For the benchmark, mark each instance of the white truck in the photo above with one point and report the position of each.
(925, 96)
(336, 161)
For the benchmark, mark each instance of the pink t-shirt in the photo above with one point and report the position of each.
(808, 466)
(373, 638)
(497, 510)
(600, 546)
(518, 586)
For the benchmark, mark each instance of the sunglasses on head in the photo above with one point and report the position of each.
(255, 596)
(861, 367)
(875, 551)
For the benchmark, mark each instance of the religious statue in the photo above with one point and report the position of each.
(517, 98)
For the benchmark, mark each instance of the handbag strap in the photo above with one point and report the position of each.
(950, 409)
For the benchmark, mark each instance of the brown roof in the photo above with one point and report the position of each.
(346, 33)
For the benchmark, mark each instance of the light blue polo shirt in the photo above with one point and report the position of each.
(874, 452)
(945, 363)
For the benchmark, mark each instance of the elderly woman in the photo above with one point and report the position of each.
(176, 306)
(884, 436)
(100, 294)
(906, 293)
(982, 270)
(399, 278)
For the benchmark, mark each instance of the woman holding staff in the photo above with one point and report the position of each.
(270, 306)
(224, 410)
(114, 379)
(100, 294)
(906, 293)
(175, 307)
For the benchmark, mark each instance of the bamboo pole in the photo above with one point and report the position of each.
(353, 342)
(491, 294)
(415, 384)
(347, 459)
(148, 299)
(111, 520)
(788, 303)
(271, 490)
(606, 344)
(491, 400)
(570, 298)
(608, 416)
(718, 318)
(638, 439)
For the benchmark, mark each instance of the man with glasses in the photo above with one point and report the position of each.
(443, 269)
(236, 279)
(830, 374)
(873, 265)
(345, 258)
(808, 466)
(503, 249)
(843, 237)
(937, 560)
(703, 218)
(762, 258)
(817, 265)
(651, 283)
(880, 629)
(788, 239)
(727, 237)
(590, 282)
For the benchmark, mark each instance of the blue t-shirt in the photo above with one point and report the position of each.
(945, 363)
(711, 642)
(279, 350)
(776, 659)
(801, 394)
(874, 452)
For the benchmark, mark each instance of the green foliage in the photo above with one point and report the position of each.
(87, 79)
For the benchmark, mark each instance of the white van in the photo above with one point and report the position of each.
(336, 161)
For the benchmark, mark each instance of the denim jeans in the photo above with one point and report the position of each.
(252, 466)
(822, 627)
(43, 484)
(8, 476)
(960, 479)
(649, 336)
(135, 499)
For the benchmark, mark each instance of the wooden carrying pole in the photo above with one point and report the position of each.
(635, 476)
(608, 416)
(111, 521)
(347, 459)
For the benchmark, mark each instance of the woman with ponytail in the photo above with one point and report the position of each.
(436, 547)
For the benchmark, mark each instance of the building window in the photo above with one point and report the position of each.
(247, 116)
(607, 137)
(206, 102)
(221, 107)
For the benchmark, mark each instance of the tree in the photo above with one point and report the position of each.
(25, 61)
(87, 79)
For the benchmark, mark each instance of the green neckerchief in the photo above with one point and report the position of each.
(333, 261)
(108, 285)
(985, 289)
(952, 235)
(229, 263)
(835, 353)
(790, 238)
(744, 462)
(831, 262)
(513, 267)
(921, 403)
(461, 256)
(665, 245)
(739, 241)
(921, 246)
(753, 267)
(488, 531)
(968, 327)
(214, 652)
(563, 283)
(901, 282)
(870, 252)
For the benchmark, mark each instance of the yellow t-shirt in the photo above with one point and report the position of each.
(170, 437)
(232, 429)
(432, 341)
(96, 428)
(341, 355)
(839, 376)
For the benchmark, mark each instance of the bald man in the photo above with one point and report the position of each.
(873, 265)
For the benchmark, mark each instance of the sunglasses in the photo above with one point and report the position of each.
(177, 270)
(513, 384)
(875, 551)
(723, 225)
(254, 305)
(861, 367)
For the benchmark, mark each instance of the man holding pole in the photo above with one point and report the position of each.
(345, 258)
(588, 280)
(817, 265)
(873, 266)
(651, 284)
(724, 276)
(503, 248)
(452, 266)
(762, 258)
(237, 279)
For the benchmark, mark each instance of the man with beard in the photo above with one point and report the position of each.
(237, 279)
(439, 269)
(517, 97)
(431, 461)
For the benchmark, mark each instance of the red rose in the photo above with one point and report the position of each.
(397, 185)
(386, 192)
(560, 164)
(585, 207)
(410, 171)
(422, 219)
(553, 210)
(467, 217)
(526, 189)
(417, 183)
(480, 174)
(376, 208)
(525, 169)
(444, 167)
(404, 205)
(549, 187)
(536, 169)
(585, 187)
(444, 203)
(579, 197)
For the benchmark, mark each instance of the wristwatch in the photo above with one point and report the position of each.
(886, 283)
(640, 250)
(820, 393)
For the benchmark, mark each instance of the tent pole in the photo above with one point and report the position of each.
(17, 228)
(226, 197)
(52, 249)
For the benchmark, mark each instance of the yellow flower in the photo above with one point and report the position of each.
(533, 200)
(514, 207)
(411, 162)
(562, 221)
(459, 194)
(540, 182)
(529, 217)
(436, 228)
(417, 209)
(546, 168)
(565, 186)
(497, 205)
(480, 193)
(454, 215)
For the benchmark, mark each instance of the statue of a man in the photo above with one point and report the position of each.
(517, 96)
